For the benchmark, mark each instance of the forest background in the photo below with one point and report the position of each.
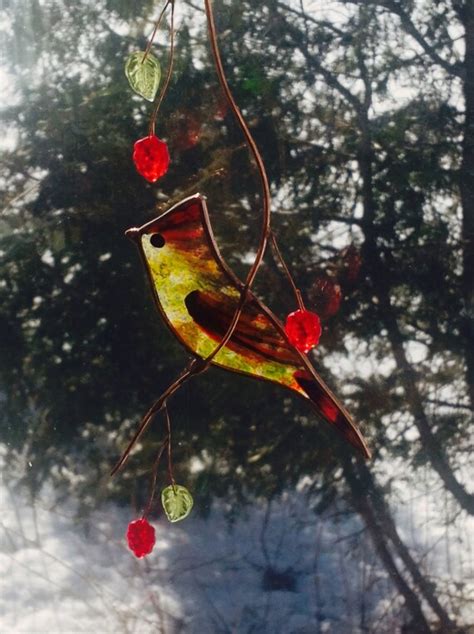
(364, 114)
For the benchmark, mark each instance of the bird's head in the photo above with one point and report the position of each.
(177, 227)
(178, 246)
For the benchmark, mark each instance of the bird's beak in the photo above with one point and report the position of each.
(133, 233)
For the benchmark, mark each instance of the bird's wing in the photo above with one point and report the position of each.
(254, 336)
(258, 338)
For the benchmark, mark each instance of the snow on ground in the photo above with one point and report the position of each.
(278, 568)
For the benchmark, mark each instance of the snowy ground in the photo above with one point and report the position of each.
(277, 569)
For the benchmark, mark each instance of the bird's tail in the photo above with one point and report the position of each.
(328, 407)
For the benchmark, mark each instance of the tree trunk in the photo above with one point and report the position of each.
(361, 501)
(467, 195)
(388, 529)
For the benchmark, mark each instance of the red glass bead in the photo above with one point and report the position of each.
(326, 295)
(151, 158)
(140, 537)
(303, 329)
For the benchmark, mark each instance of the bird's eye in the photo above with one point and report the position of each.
(157, 240)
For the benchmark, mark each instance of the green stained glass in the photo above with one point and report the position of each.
(143, 75)
(177, 502)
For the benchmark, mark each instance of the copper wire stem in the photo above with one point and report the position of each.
(156, 464)
(157, 26)
(169, 73)
(296, 290)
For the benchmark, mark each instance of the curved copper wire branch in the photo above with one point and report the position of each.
(195, 367)
(266, 232)
(266, 196)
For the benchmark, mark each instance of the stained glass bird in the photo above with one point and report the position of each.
(197, 295)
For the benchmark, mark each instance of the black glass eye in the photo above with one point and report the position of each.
(157, 240)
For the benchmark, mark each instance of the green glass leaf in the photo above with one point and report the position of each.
(177, 502)
(143, 76)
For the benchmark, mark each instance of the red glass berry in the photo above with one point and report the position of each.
(140, 537)
(303, 329)
(151, 158)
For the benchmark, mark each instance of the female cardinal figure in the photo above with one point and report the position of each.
(197, 295)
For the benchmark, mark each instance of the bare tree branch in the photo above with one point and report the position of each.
(315, 65)
(411, 29)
